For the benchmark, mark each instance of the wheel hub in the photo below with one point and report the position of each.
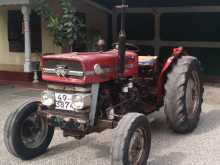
(33, 131)
(192, 94)
(137, 149)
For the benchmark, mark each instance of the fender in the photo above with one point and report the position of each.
(176, 54)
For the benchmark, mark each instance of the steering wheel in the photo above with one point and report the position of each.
(129, 46)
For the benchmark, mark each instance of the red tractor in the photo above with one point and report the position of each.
(117, 89)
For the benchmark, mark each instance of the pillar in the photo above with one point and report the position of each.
(157, 33)
(26, 15)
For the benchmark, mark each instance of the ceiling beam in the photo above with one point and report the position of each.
(98, 6)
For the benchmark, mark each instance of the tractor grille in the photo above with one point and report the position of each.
(71, 65)
(73, 68)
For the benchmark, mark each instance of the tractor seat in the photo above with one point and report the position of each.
(147, 60)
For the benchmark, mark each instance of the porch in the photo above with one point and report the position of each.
(24, 36)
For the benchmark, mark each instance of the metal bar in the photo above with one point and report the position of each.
(184, 9)
(122, 38)
(178, 43)
(191, 44)
(190, 9)
(95, 94)
(141, 42)
(137, 10)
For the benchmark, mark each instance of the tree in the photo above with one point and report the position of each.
(66, 27)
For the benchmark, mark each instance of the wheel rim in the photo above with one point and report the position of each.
(193, 94)
(33, 131)
(137, 147)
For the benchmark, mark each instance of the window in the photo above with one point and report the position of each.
(139, 26)
(16, 32)
(190, 27)
(15, 35)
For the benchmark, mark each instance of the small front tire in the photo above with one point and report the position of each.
(26, 135)
(132, 140)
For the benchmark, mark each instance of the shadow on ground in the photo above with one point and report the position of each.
(173, 158)
(209, 121)
(102, 150)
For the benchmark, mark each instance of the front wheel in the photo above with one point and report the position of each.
(26, 135)
(132, 140)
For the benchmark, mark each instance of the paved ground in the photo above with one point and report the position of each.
(200, 148)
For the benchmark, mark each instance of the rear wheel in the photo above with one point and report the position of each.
(184, 92)
(132, 140)
(26, 135)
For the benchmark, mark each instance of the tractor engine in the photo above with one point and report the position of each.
(125, 95)
(117, 98)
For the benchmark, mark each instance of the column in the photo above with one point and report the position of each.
(27, 62)
(157, 33)
(114, 26)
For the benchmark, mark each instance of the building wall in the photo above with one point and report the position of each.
(12, 61)
(8, 60)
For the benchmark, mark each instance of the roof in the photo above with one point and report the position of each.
(14, 2)
(109, 4)
(105, 3)
(159, 3)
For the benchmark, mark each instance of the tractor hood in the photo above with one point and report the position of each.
(86, 68)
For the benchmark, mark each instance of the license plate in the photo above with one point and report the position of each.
(63, 101)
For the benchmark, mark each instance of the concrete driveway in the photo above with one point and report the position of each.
(200, 148)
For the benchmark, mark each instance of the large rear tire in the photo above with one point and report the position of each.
(26, 135)
(184, 95)
(132, 140)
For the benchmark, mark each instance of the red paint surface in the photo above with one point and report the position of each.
(109, 59)
(88, 60)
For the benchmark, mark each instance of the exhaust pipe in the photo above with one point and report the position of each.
(122, 38)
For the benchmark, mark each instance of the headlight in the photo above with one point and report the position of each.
(81, 101)
(98, 69)
(47, 98)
